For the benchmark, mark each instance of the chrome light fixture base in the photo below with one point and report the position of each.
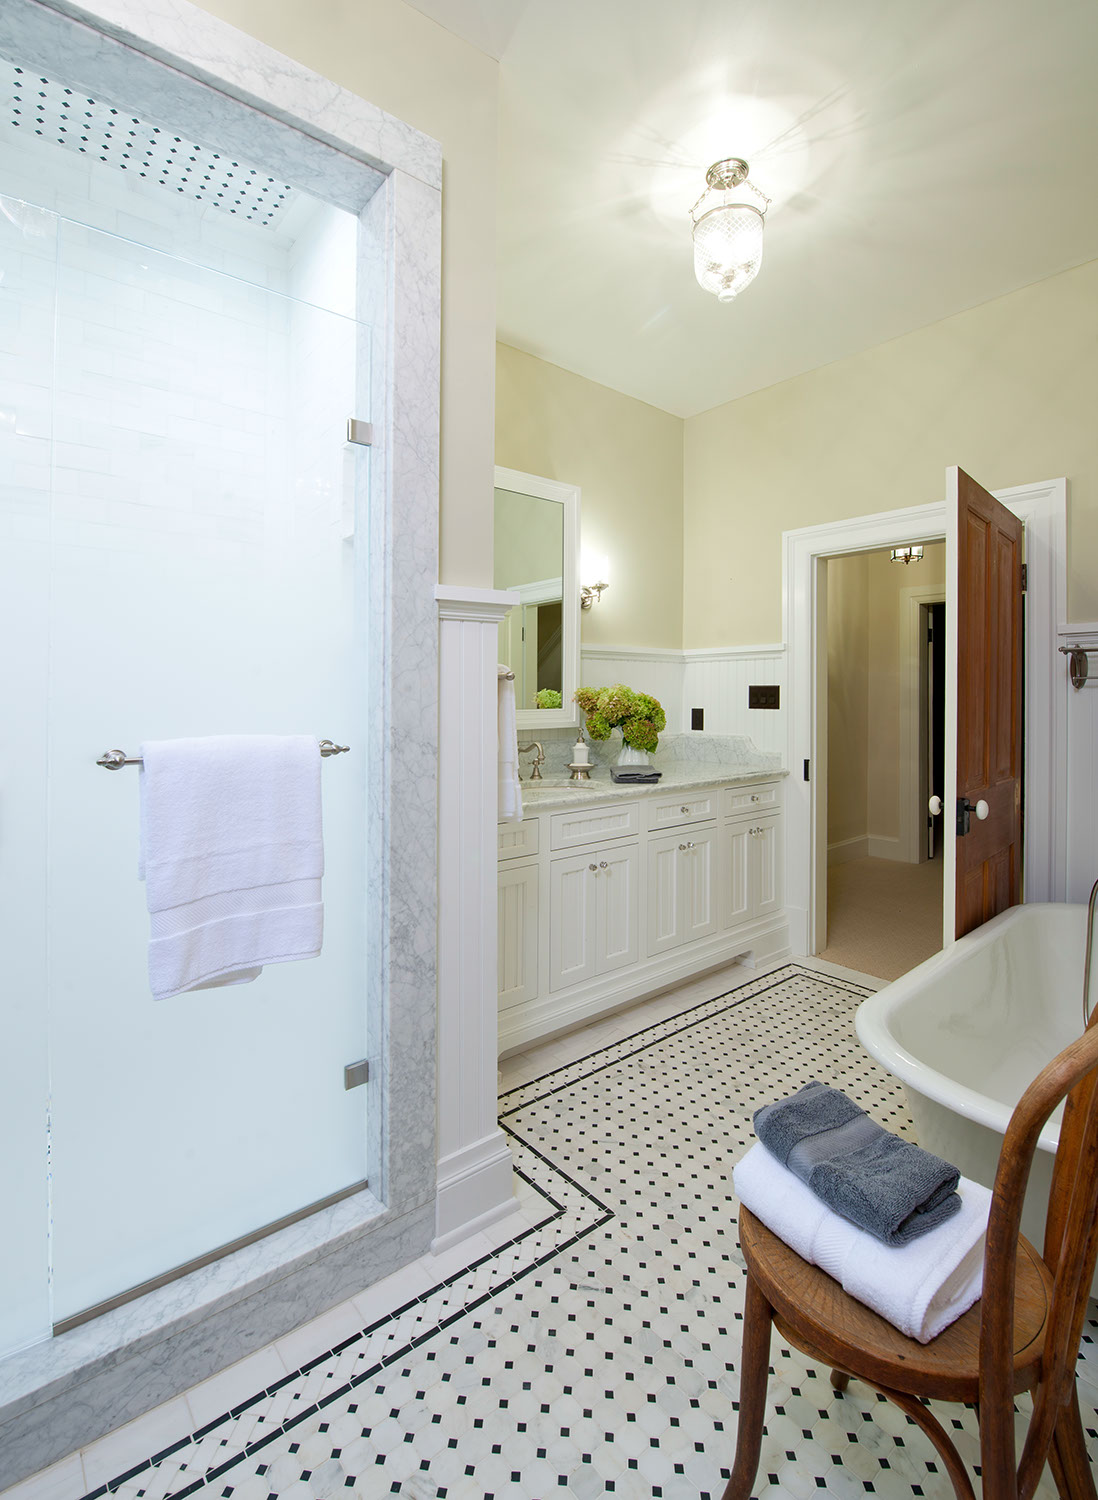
(728, 229)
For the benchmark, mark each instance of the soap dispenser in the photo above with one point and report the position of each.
(581, 760)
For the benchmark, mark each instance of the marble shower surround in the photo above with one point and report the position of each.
(199, 71)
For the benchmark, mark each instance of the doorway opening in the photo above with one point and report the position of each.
(885, 715)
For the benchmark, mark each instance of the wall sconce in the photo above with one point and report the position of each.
(907, 554)
(593, 565)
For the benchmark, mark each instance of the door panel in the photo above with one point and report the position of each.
(766, 872)
(616, 907)
(571, 922)
(664, 903)
(518, 934)
(989, 704)
(737, 900)
(700, 911)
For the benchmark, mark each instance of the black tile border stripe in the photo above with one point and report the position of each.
(603, 1215)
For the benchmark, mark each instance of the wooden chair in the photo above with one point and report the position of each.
(1023, 1335)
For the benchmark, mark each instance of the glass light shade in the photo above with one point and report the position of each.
(728, 247)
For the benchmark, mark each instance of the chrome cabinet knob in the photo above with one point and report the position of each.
(602, 864)
(754, 798)
(690, 846)
(593, 867)
(684, 809)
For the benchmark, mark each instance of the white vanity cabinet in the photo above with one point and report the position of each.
(606, 899)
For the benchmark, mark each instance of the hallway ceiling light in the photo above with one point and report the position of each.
(728, 230)
(907, 554)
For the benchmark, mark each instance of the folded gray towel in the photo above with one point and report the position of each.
(889, 1187)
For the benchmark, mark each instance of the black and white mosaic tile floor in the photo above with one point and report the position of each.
(595, 1352)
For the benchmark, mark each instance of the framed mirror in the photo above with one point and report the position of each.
(537, 556)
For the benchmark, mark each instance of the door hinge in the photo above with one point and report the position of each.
(355, 1074)
(1025, 576)
(360, 432)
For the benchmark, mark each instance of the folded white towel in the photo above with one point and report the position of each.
(919, 1288)
(510, 791)
(232, 857)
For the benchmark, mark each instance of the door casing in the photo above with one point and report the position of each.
(1043, 508)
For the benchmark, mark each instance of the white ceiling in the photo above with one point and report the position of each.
(922, 158)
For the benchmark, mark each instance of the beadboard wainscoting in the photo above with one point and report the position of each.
(715, 680)
(475, 1177)
(1082, 757)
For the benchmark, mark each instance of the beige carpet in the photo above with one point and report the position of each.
(883, 917)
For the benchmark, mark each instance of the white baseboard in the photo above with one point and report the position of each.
(885, 848)
(844, 850)
(475, 1187)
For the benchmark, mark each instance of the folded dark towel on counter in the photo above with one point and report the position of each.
(889, 1187)
(634, 774)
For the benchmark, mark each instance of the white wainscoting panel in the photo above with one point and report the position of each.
(715, 680)
(1082, 768)
(645, 669)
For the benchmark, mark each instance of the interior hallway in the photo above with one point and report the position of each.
(884, 916)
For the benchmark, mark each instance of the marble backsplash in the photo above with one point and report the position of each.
(694, 748)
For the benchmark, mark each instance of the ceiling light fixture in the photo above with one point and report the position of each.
(907, 554)
(728, 230)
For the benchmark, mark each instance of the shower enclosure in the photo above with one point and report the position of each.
(183, 551)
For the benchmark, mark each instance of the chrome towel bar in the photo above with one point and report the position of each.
(114, 760)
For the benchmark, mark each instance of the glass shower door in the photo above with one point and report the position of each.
(204, 579)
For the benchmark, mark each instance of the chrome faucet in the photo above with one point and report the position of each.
(535, 774)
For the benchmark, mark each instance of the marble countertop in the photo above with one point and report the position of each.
(555, 792)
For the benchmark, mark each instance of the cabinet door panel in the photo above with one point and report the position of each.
(616, 896)
(766, 859)
(699, 885)
(571, 922)
(518, 935)
(664, 900)
(738, 864)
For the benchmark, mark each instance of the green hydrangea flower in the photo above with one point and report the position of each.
(547, 698)
(639, 716)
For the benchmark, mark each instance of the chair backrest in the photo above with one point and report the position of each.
(1070, 1250)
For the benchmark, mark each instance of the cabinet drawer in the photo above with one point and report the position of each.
(687, 807)
(742, 801)
(590, 825)
(514, 839)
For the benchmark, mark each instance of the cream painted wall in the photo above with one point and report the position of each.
(396, 58)
(847, 697)
(627, 459)
(866, 611)
(1007, 390)
(887, 582)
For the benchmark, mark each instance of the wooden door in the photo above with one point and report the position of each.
(990, 701)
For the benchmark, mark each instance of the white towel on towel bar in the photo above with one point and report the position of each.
(232, 857)
(510, 791)
(919, 1288)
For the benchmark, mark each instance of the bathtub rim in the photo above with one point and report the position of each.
(872, 1021)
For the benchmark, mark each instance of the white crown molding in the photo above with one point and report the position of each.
(486, 605)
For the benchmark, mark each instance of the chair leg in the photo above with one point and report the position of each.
(840, 1380)
(1068, 1457)
(754, 1369)
(923, 1417)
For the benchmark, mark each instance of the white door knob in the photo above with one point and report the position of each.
(935, 805)
(982, 809)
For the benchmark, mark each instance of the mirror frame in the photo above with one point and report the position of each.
(568, 496)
